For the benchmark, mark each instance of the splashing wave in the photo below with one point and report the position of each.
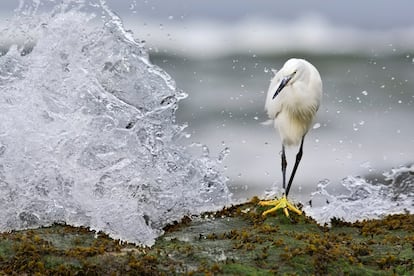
(87, 129)
(365, 200)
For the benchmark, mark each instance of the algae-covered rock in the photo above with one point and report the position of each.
(234, 241)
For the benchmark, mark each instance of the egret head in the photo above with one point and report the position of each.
(292, 70)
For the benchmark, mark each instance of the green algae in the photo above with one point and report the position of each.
(234, 241)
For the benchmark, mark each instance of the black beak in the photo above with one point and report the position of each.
(283, 83)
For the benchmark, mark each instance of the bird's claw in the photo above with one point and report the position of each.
(282, 203)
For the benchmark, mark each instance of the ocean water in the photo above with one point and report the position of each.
(362, 140)
(363, 127)
(360, 149)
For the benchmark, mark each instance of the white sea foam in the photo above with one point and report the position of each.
(88, 133)
(364, 200)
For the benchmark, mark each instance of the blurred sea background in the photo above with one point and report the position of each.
(221, 54)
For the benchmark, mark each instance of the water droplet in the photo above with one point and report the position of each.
(170, 17)
(205, 151)
(223, 154)
(365, 93)
(354, 126)
(323, 184)
(365, 165)
(316, 126)
(256, 118)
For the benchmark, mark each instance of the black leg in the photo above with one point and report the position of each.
(298, 158)
(284, 165)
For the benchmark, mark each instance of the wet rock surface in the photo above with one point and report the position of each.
(234, 241)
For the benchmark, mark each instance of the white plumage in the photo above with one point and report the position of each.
(292, 101)
(295, 105)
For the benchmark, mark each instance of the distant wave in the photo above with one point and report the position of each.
(262, 36)
(258, 36)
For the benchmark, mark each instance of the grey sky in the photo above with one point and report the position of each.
(370, 14)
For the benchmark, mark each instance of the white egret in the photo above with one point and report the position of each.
(292, 101)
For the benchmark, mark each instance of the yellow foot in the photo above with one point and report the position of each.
(282, 203)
